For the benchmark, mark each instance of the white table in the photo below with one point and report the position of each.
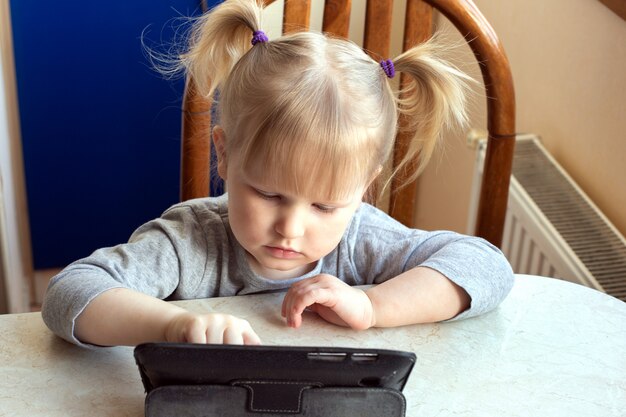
(551, 349)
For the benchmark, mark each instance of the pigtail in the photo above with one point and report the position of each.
(218, 40)
(434, 99)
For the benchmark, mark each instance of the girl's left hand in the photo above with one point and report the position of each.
(334, 300)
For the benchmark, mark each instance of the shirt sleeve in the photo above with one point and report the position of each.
(156, 258)
(385, 248)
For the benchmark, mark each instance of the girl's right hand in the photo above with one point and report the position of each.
(213, 328)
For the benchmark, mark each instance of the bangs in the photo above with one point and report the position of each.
(306, 159)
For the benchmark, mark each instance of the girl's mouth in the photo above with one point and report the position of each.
(282, 253)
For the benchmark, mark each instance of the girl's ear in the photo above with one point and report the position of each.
(220, 148)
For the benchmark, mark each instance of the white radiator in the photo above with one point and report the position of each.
(552, 228)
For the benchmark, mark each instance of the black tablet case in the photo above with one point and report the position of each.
(269, 381)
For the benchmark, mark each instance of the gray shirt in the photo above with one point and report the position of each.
(190, 252)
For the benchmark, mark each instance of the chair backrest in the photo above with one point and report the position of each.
(196, 138)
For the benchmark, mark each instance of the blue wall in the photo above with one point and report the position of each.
(100, 129)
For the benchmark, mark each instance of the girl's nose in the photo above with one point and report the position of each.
(291, 223)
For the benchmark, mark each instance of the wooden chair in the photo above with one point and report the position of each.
(195, 175)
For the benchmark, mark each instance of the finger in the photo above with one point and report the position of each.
(251, 338)
(305, 293)
(289, 311)
(312, 295)
(291, 316)
(294, 320)
(302, 301)
(233, 336)
(215, 334)
(194, 333)
(288, 305)
(295, 288)
(289, 301)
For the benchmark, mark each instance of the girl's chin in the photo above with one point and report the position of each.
(273, 269)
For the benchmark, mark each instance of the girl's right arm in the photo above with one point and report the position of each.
(122, 316)
(114, 296)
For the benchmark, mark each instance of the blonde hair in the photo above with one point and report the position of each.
(310, 109)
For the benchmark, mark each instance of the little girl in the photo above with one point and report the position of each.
(306, 123)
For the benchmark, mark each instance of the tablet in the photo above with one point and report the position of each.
(163, 364)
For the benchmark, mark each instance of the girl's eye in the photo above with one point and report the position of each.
(324, 209)
(267, 196)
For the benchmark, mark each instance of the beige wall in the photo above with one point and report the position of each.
(568, 59)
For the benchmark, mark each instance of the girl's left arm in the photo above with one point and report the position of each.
(419, 295)
(421, 277)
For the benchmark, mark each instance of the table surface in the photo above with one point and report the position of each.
(552, 348)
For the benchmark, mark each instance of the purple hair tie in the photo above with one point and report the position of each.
(388, 67)
(259, 36)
